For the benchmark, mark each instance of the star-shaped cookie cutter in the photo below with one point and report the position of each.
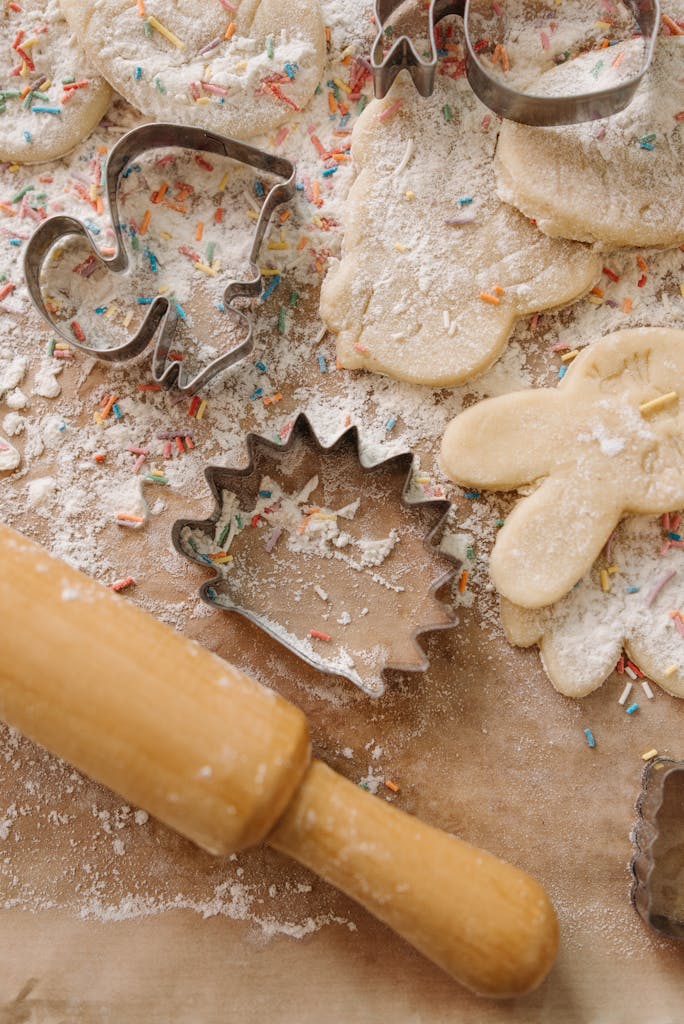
(162, 316)
(423, 610)
(541, 111)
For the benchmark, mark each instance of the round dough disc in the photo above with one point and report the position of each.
(29, 135)
(234, 86)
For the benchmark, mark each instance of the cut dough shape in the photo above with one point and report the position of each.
(582, 636)
(618, 181)
(405, 298)
(37, 34)
(220, 88)
(594, 446)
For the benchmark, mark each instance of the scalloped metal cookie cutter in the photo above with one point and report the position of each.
(303, 440)
(658, 863)
(162, 315)
(541, 111)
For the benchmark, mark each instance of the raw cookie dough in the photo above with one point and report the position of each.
(537, 36)
(608, 441)
(623, 602)
(39, 45)
(240, 86)
(426, 237)
(617, 181)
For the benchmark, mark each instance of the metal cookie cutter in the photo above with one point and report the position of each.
(542, 111)
(339, 613)
(162, 315)
(658, 864)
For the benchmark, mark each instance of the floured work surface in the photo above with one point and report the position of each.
(109, 916)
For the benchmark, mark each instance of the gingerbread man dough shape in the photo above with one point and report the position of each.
(607, 442)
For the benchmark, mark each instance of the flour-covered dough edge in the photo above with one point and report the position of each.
(51, 136)
(596, 182)
(249, 116)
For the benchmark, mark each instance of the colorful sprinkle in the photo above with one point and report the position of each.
(625, 693)
(662, 582)
(167, 33)
(657, 404)
(389, 111)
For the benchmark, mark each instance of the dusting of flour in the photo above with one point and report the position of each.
(65, 842)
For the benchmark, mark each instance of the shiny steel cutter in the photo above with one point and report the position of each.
(542, 111)
(161, 318)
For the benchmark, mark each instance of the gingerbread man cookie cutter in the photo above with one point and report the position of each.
(270, 587)
(607, 442)
(538, 110)
(162, 318)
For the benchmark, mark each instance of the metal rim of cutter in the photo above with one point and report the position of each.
(655, 777)
(302, 430)
(539, 111)
(162, 315)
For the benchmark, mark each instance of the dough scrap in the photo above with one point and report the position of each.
(617, 181)
(581, 637)
(27, 135)
(594, 448)
(221, 89)
(404, 299)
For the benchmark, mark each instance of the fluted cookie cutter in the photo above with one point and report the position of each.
(373, 613)
(658, 863)
(542, 111)
(162, 316)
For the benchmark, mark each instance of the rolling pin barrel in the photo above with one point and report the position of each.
(148, 713)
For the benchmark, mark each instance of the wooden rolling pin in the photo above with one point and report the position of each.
(227, 762)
